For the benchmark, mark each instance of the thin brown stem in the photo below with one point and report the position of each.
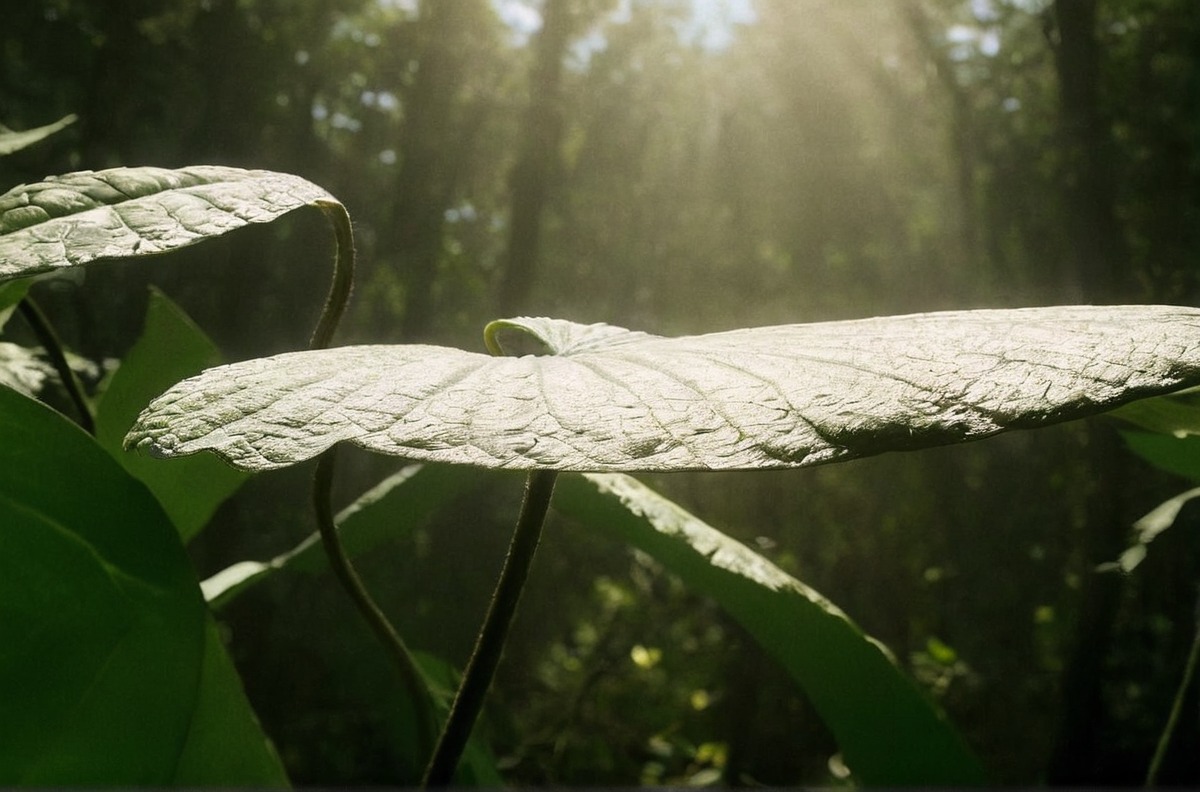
(343, 274)
(1189, 672)
(414, 681)
(477, 677)
(44, 331)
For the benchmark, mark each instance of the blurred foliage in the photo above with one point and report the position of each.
(810, 160)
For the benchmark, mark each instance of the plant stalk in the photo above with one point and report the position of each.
(44, 331)
(414, 681)
(343, 274)
(1189, 672)
(477, 677)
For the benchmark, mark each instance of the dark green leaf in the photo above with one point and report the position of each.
(1177, 414)
(11, 141)
(105, 677)
(889, 734)
(11, 293)
(171, 347)
(389, 511)
(225, 727)
(609, 399)
(70, 220)
(1178, 455)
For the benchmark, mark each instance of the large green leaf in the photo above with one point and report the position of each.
(889, 734)
(11, 141)
(608, 399)
(225, 746)
(70, 220)
(107, 676)
(170, 348)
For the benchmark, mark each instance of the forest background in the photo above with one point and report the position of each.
(679, 166)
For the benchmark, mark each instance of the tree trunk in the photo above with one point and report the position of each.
(538, 162)
(1101, 267)
(1099, 274)
(425, 184)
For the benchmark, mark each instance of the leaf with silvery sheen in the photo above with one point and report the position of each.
(601, 398)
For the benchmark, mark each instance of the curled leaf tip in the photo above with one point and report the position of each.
(609, 399)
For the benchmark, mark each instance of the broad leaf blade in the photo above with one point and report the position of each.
(224, 726)
(11, 141)
(613, 400)
(70, 220)
(888, 732)
(105, 676)
(170, 348)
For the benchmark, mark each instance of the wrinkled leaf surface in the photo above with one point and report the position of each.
(22, 370)
(608, 399)
(70, 220)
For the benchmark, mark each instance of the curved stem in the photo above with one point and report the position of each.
(477, 677)
(44, 331)
(414, 680)
(1189, 671)
(343, 274)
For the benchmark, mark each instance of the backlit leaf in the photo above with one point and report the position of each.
(70, 220)
(608, 399)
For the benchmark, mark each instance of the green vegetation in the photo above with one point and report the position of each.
(1018, 622)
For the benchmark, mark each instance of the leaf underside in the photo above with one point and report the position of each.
(608, 399)
(70, 220)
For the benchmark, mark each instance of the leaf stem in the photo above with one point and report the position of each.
(410, 673)
(485, 657)
(44, 331)
(343, 274)
(1164, 740)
